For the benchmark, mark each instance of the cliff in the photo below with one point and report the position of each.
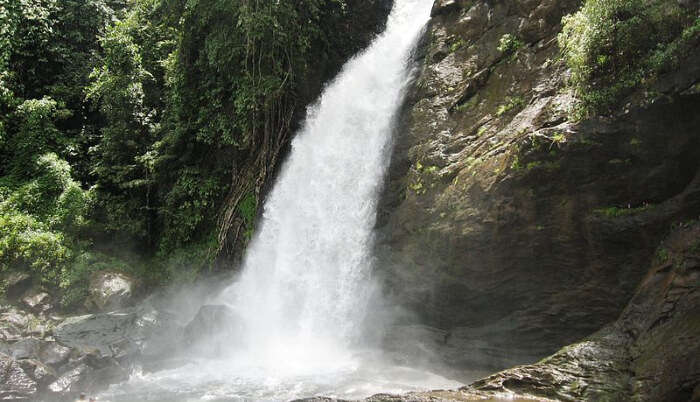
(511, 227)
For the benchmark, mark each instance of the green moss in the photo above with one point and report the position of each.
(248, 209)
(662, 256)
(515, 102)
(615, 212)
(469, 104)
(515, 165)
(457, 44)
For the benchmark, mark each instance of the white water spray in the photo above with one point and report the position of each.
(306, 279)
(304, 290)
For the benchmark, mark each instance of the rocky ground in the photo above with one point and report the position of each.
(48, 356)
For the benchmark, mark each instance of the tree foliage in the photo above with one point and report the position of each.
(616, 46)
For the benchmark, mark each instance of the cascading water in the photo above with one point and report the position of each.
(306, 279)
(304, 290)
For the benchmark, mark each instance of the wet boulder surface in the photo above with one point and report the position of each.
(111, 290)
(51, 357)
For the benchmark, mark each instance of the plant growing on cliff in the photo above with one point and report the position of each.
(508, 44)
(616, 46)
(514, 102)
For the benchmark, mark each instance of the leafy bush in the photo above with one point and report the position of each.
(509, 43)
(38, 217)
(28, 245)
(52, 195)
(616, 46)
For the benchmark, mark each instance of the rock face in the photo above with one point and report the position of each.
(506, 226)
(110, 290)
(650, 353)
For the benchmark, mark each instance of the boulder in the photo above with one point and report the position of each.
(121, 334)
(70, 381)
(17, 283)
(16, 324)
(27, 348)
(110, 290)
(15, 383)
(38, 371)
(214, 328)
(37, 300)
(54, 354)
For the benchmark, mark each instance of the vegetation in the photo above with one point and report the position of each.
(134, 135)
(509, 43)
(615, 212)
(515, 102)
(614, 47)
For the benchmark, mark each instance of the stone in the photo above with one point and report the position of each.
(213, 329)
(15, 383)
(38, 371)
(70, 381)
(54, 354)
(27, 348)
(110, 290)
(17, 283)
(121, 334)
(16, 324)
(37, 300)
(447, 6)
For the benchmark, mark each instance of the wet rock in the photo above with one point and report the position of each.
(445, 6)
(27, 348)
(17, 284)
(16, 324)
(110, 290)
(70, 381)
(651, 353)
(15, 383)
(54, 354)
(37, 300)
(123, 334)
(38, 371)
(214, 328)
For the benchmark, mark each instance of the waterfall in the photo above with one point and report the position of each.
(306, 282)
(307, 275)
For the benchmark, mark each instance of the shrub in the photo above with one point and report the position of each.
(616, 46)
(26, 244)
(37, 219)
(509, 43)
